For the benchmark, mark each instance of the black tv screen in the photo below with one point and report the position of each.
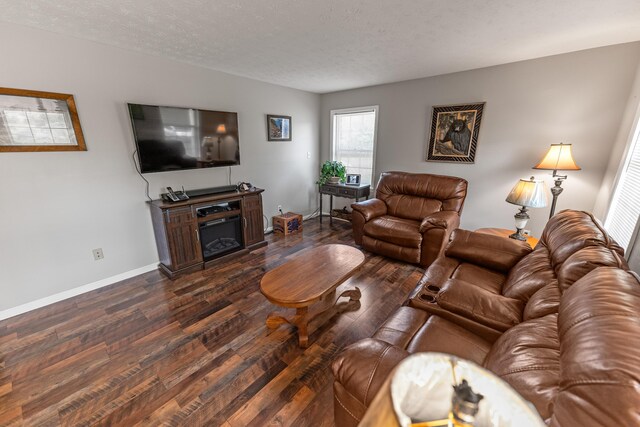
(172, 138)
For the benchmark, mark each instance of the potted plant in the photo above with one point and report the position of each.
(332, 172)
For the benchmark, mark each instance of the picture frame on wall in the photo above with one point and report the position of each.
(278, 128)
(352, 179)
(454, 132)
(32, 121)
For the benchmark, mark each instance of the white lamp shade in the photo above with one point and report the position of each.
(421, 389)
(531, 193)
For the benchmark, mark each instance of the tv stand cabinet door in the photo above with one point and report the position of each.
(252, 218)
(183, 237)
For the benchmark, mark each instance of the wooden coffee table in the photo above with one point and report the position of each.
(311, 277)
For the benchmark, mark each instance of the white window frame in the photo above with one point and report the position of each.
(332, 134)
(620, 177)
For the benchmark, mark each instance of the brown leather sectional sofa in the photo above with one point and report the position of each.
(411, 217)
(560, 324)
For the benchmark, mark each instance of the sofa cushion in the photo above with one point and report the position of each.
(529, 275)
(399, 231)
(527, 357)
(443, 336)
(480, 305)
(568, 232)
(545, 301)
(401, 327)
(494, 252)
(484, 278)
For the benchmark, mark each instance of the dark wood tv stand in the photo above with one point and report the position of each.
(177, 231)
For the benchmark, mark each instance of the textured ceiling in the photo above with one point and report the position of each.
(329, 45)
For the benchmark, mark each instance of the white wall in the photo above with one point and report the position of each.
(574, 98)
(56, 207)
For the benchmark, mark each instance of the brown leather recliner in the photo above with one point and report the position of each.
(411, 217)
(560, 324)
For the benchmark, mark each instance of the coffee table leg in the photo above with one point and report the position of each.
(302, 322)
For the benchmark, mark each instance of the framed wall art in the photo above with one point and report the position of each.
(278, 128)
(454, 133)
(39, 121)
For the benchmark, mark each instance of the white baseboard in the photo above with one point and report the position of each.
(14, 311)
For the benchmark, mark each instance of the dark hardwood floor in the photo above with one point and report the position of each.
(194, 351)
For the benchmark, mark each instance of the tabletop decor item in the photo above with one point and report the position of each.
(278, 128)
(353, 179)
(527, 193)
(454, 133)
(558, 157)
(32, 120)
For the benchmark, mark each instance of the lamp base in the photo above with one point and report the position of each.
(518, 235)
(521, 218)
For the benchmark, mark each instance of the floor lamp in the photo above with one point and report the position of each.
(558, 157)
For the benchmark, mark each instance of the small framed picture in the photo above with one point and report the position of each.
(353, 179)
(278, 128)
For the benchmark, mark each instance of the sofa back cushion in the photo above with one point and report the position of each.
(573, 243)
(416, 195)
(599, 335)
(570, 231)
(581, 365)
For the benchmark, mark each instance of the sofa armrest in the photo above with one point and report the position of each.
(494, 252)
(436, 230)
(480, 305)
(442, 219)
(363, 367)
(370, 209)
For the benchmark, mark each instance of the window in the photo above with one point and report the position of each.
(353, 140)
(624, 211)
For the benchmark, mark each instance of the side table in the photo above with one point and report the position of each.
(342, 190)
(532, 241)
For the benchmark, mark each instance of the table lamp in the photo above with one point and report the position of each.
(527, 193)
(558, 157)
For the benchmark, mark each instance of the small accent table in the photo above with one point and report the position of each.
(342, 190)
(532, 241)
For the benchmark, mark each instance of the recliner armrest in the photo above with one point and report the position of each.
(480, 305)
(442, 219)
(370, 209)
(494, 252)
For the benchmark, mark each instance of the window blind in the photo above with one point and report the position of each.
(624, 211)
(354, 140)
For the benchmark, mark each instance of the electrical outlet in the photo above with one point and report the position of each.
(279, 208)
(98, 254)
(308, 154)
(526, 232)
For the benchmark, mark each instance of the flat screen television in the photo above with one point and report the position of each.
(173, 138)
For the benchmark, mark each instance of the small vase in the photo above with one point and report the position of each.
(334, 180)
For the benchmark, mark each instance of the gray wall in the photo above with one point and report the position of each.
(57, 207)
(575, 98)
